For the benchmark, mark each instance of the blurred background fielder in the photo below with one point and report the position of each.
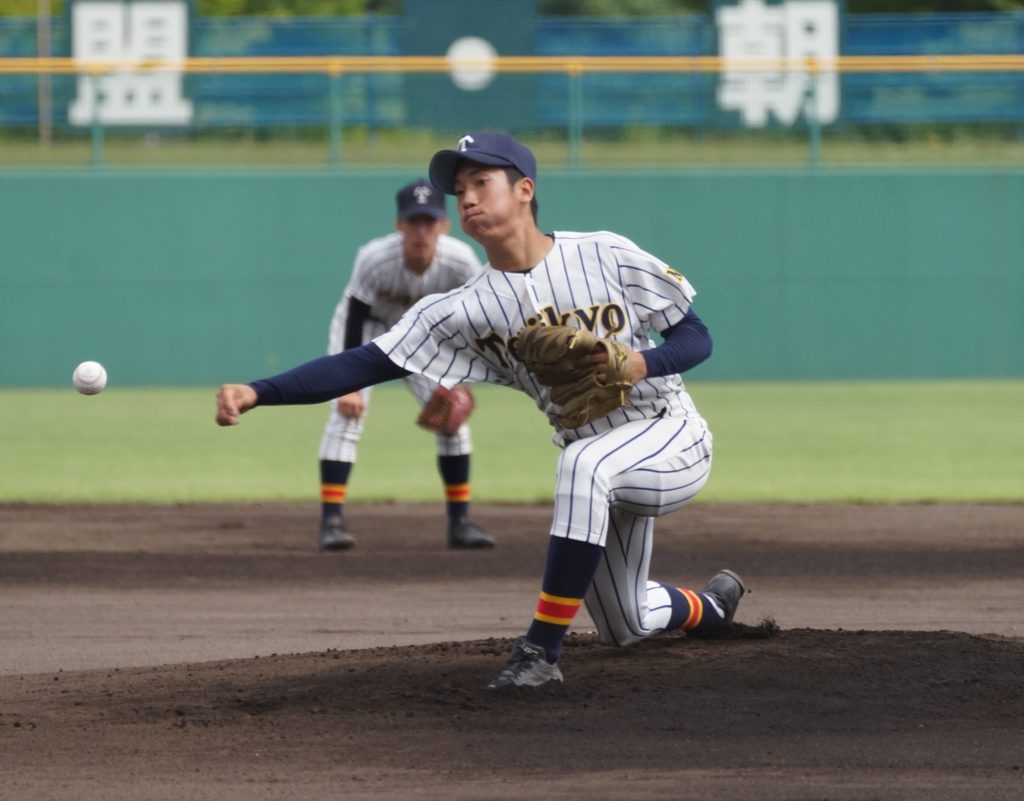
(390, 274)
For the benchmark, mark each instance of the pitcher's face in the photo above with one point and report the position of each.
(489, 206)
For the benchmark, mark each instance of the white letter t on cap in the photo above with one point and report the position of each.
(465, 141)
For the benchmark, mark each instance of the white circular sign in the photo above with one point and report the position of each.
(471, 63)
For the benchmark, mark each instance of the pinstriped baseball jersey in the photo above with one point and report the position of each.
(381, 280)
(598, 281)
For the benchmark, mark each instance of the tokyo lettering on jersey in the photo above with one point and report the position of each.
(598, 281)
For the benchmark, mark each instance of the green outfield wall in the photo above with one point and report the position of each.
(199, 278)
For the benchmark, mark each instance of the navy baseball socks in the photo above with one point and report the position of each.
(334, 534)
(570, 569)
(454, 472)
(701, 613)
(567, 576)
(462, 533)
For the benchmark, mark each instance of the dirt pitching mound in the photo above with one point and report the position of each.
(165, 653)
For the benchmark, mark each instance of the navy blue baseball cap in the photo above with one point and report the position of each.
(493, 149)
(420, 197)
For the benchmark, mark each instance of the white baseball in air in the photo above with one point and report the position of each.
(471, 63)
(89, 378)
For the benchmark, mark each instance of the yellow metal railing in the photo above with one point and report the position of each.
(573, 66)
(521, 64)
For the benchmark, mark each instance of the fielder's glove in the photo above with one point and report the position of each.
(561, 358)
(446, 410)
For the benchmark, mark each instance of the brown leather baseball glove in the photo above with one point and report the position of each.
(446, 410)
(561, 358)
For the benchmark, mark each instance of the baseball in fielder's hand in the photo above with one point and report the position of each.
(234, 400)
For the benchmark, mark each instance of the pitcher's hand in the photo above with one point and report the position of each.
(234, 400)
(351, 406)
(637, 365)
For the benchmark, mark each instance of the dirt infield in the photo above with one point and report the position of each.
(209, 652)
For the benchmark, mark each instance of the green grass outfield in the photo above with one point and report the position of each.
(921, 441)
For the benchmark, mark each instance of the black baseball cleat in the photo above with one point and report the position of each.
(728, 588)
(526, 667)
(464, 534)
(334, 535)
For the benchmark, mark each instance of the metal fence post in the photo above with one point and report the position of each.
(335, 113)
(575, 115)
(813, 120)
(96, 143)
(44, 36)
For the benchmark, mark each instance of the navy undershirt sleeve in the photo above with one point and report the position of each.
(358, 314)
(328, 377)
(687, 344)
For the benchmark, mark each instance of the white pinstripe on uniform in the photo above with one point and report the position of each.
(619, 472)
(381, 280)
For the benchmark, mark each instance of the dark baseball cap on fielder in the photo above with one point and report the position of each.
(420, 197)
(493, 149)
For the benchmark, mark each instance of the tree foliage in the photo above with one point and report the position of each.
(602, 8)
(931, 6)
(280, 8)
(551, 8)
(620, 8)
(569, 8)
(26, 8)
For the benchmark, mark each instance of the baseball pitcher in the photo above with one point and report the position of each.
(568, 319)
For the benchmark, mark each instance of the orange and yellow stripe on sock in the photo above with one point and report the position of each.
(456, 493)
(696, 609)
(556, 609)
(333, 493)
